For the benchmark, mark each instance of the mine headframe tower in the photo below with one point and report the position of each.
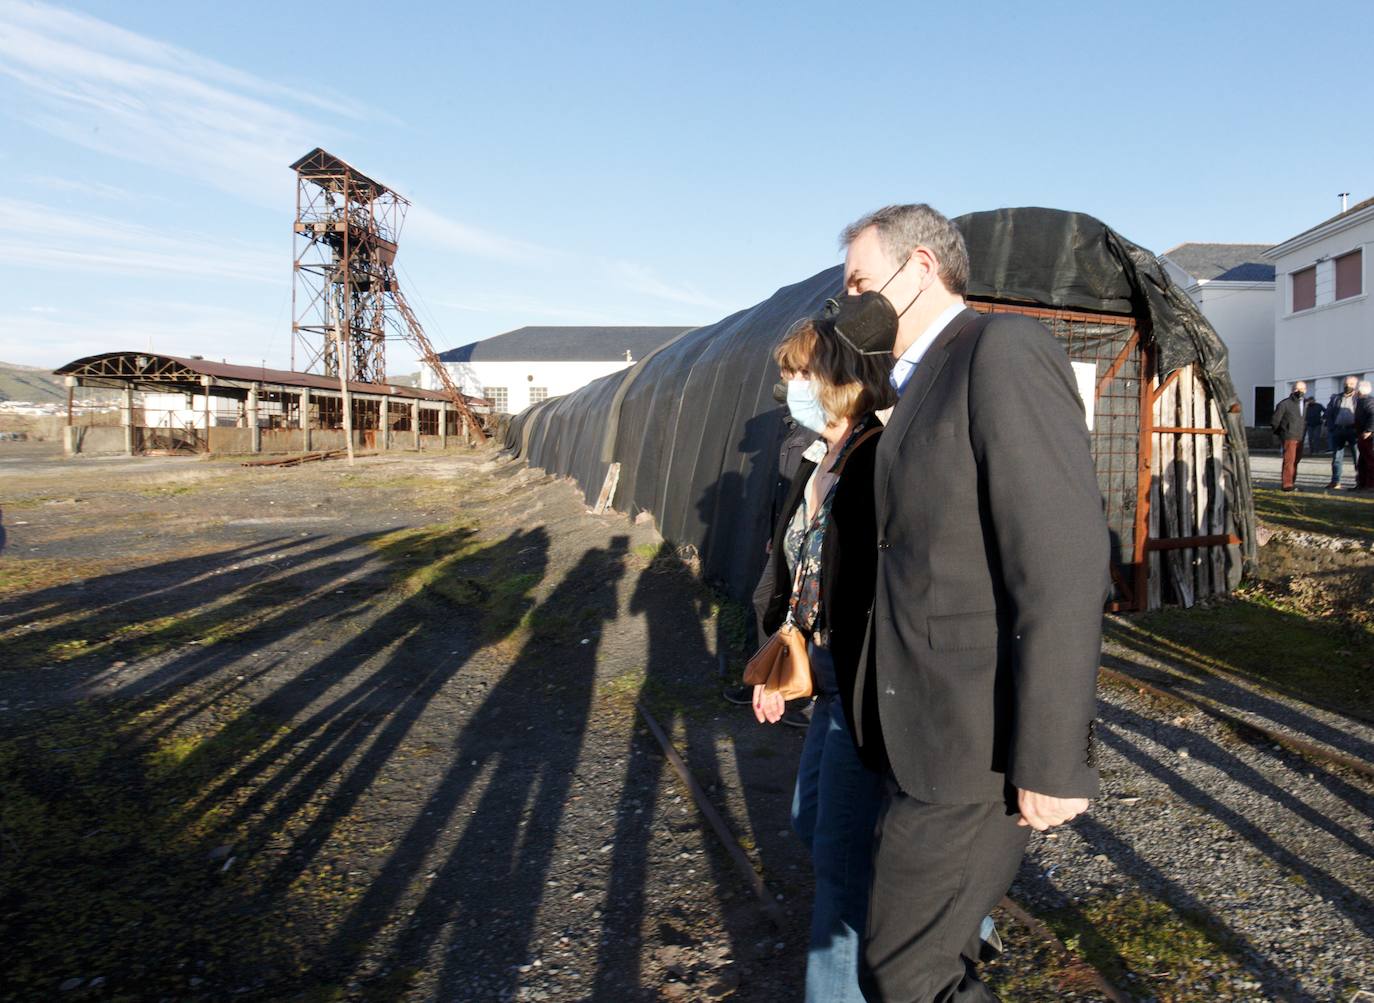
(345, 297)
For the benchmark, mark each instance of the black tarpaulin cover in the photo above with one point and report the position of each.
(696, 430)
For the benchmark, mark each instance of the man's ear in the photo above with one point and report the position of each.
(927, 265)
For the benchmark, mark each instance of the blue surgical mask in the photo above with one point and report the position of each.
(805, 405)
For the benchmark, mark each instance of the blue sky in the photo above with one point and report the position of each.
(647, 163)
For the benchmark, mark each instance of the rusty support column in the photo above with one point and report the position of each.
(255, 432)
(1143, 479)
(415, 423)
(205, 382)
(305, 419)
(126, 418)
(68, 433)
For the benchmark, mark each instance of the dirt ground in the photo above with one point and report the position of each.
(328, 733)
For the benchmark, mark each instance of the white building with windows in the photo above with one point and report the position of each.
(1233, 286)
(1324, 315)
(531, 364)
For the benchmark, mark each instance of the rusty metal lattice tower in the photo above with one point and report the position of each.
(344, 296)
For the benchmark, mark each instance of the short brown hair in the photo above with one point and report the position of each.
(850, 384)
(903, 228)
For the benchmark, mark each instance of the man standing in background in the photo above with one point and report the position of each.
(1364, 438)
(1340, 426)
(1316, 434)
(1290, 426)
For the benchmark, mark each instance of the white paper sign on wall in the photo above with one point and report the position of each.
(1086, 375)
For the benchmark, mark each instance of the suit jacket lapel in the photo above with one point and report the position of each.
(915, 393)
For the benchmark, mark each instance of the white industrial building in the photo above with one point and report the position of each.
(1233, 286)
(1324, 317)
(531, 364)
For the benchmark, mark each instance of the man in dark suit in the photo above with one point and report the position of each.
(977, 688)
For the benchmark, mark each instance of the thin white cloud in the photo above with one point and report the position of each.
(642, 279)
(34, 235)
(135, 98)
(86, 189)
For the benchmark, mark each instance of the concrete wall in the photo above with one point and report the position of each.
(231, 440)
(558, 378)
(1335, 337)
(95, 440)
(51, 427)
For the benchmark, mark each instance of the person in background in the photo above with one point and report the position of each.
(821, 570)
(1340, 427)
(1364, 437)
(1290, 426)
(795, 439)
(1316, 435)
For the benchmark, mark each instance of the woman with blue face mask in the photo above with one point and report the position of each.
(824, 552)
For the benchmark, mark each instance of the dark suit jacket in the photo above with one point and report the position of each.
(984, 640)
(1289, 422)
(848, 562)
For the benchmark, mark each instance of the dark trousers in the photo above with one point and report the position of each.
(1364, 463)
(937, 871)
(1292, 453)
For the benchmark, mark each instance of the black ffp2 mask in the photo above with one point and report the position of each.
(867, 322)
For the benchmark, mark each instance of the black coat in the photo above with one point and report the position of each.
(848, 561)
(1364, 415)
(986, 632)
(1289, 422)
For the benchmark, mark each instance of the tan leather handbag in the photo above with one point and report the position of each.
(782, 664)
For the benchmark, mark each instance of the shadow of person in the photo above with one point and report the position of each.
(679, 688)
(2, 530)
(512, 772)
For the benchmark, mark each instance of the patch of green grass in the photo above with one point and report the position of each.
(1179, 955)
(1341, 515)
(106, 865)
(31, 574)
(1325, 661)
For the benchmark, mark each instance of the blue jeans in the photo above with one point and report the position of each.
(834, 811)
(1341, 439)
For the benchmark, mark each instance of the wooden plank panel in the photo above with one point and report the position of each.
(1201, 451)
(1174, 560)
(1217, 522)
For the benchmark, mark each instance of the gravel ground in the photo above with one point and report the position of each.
(374, 738)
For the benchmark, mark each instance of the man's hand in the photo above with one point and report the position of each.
(1044, 811)
(768, 705)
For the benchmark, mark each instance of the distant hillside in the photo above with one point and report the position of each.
(40, 386)
(25, 383)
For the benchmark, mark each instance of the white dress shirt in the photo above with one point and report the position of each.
(906, 363)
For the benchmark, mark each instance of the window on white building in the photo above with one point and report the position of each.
(1349, 275)
(500, 400)
(538, 394)
(1304, 288)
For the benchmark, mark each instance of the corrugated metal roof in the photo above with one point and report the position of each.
(565, 344)
(100, 367)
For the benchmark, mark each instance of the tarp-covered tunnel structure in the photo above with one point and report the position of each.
(695, 431)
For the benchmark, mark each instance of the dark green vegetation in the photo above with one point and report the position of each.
(1340, 515)
(1303, 625)
(175, 845)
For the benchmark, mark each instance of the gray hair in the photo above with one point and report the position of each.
(1365, 387)
(903, 228)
